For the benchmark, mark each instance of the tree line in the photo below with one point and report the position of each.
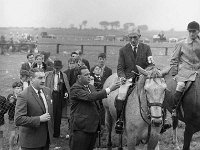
(105, 25)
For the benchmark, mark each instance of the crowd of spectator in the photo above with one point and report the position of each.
(25, 118)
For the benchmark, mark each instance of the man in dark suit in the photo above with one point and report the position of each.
(34, 114)
(57, 81)
(132, 54)
(85, 119)
(106, 71)
(29, 64)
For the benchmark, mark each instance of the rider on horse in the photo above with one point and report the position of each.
(185, 62)
(132, 54)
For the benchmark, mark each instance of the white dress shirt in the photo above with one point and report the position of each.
(56, 78)
(134, 47)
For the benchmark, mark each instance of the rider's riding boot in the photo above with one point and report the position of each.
(119, 104)
(177, 97)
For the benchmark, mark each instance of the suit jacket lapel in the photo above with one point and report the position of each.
(130, 52)
(48, 99)
(66, 81)
(92, 89)
(138, 51)
(51, 80)
(104, 71)
(38, 99)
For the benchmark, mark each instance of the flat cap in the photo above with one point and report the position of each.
(193, 26)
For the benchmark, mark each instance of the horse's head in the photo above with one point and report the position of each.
(154, 91)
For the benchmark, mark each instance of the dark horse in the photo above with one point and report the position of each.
(190, 107)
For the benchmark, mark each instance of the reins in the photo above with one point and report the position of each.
(148, 116)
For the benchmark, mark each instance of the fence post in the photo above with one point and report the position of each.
(166, 51)
(105, 49)
(82, 49)
(57, 48)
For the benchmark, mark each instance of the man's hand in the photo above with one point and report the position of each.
(122, 80)
(45, 117)
(114, 86)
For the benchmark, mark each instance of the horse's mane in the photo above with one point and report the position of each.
(153, 73)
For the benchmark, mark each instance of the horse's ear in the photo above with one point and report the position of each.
(165, 71)
(141, 70)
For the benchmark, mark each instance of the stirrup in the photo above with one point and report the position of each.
(119, 127)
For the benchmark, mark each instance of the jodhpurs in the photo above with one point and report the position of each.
(180, 86)
(124, 89)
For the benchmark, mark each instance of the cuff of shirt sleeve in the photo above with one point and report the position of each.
(108, 91)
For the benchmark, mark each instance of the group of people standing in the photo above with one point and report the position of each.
(47, 90)
(44, 93)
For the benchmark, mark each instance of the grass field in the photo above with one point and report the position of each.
(9, 72)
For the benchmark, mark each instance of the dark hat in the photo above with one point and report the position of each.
(102, 55)
(17, 84)
(193, 26)
(58, 63)
(24, 73)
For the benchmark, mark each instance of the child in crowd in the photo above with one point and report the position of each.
(3, 110)
(11, 99)
(24, 78)
(99, 86)
(97, 78)
(71, 73)
(71, 63)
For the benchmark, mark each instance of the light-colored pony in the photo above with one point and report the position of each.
(143, 111)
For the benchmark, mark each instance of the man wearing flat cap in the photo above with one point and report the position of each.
(185, 61)
(132, 54)
(58, 82)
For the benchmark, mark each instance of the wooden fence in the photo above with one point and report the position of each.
(105, 47)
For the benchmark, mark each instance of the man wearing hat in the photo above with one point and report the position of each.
(58, 82)
(132, 54)
(185, 60)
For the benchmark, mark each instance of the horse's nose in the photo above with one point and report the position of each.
(156, 122)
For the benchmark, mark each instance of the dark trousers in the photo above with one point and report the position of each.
(46, 147)
(102, 112)
(39, 148)
(80, 140)
(57, 112)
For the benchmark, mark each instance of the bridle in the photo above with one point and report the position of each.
(147, 113)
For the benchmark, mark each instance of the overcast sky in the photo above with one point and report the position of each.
(157, 14)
